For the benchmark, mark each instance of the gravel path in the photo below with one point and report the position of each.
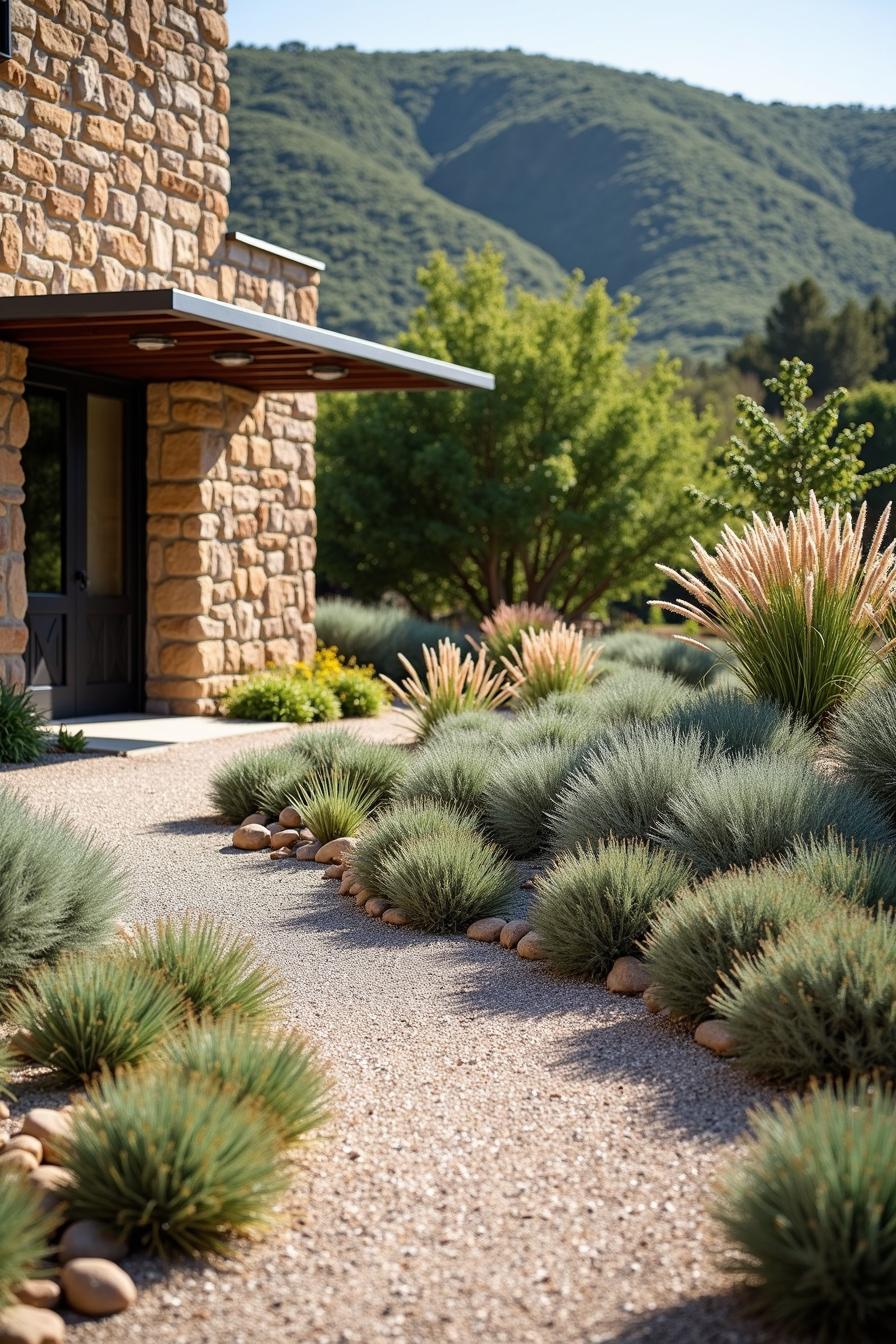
(514, 1157)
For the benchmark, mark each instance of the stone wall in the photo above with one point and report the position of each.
(13, 435)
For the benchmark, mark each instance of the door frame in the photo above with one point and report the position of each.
(69, 382)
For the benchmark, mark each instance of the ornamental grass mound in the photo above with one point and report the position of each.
(457, 772)
(472, 725)
(173, 1161)
(733, 813)
(522, 791)
(237, 787)
(726, 719)
(592, 907)
(503, 629)
(687, 662)
(332, 803)
(800, 604)
(95, 1011)
(551, 660)
(638, 695)
(25, 1229)
(451, 684)
(443, 885)
(861, 874)
(809, 1209)
(23, 732)
(60, 890)
(8, 1063)
(216, 971)
(698, 938)
(863, 743)
(279, 1071)
(385, 833)
(819, 1002)
(545, 726)
(623, 787)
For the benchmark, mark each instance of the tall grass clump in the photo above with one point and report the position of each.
(333, 804)
(503, 629)
(238, 786)
(475, 727)
(623, 787)
(592, 907)
(819, 1002)
(735, 812)
(94, 1011)
(216, 971)
(442, 886)
(385, 833)
(457, 772)
(637, 696)
(377, 634)
(809, 1209)
(861, 874)
(25, 1230)
(60, 890)
(278, 1070)
(696, 666)
(546, 726)
(799, 603)
(556, 659)
(698, 938)
(173, 1162)
(23, 732)
(863, 742)
(451, 684)
(728, 720)
(521, 793)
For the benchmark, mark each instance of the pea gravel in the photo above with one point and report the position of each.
(514, 1158)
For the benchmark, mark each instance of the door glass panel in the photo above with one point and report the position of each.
(43, 461)
(105, 488)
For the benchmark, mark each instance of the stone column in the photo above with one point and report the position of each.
(13, 589)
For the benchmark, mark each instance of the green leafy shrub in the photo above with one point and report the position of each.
(594, 906)
(696, 939)
(728, 720)
(521, 793)
(735, 812)
(70, 743)
(384, 835)
(623, 786)
(90, 1012)
(279, 1071)
(359, 696)
(377, 634)
(635, 696)
(864, 744)
(59, 889)
(280, 697)
(820, 1001)
(456, 772)
(861, 874)
(215, 970)
(332, 803)
(24, 1234)
(443, 885)
(810, 1209)
(173, 1162)
(696, 666)
(23, 734)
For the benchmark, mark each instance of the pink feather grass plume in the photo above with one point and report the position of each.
(452, 684)
(501, 631)
(557, 659)
(802, 605)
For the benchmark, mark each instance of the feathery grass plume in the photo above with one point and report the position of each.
(332, 804)
(821, 1001)
(799, 603)
(216, 970)
(699, 937)
(503, 629)
(596, 905)
(693, 665)
(278, 1070)
(728, 720)
(864, 744)
(638, 695)
(385, 833)
(95, 1010)
(809, 1208)
(735, 812)
(556, 659)
(861, 874)
(25, 1230)
(23, 732)
(443, 885)
(173, 1161)
(623, 786)
(457, 772)
(522, 791)
(57, 894)
(451, 684)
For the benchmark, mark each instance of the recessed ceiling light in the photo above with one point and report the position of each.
(153, 340)
(328, 373)
(233, 359)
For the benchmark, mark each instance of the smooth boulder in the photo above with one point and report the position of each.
(513, 931)
(38, 1293)
(30, 1325)
(91, 1240)
(531, 948)
(53, 1128)
(628, 976)
(335, 851)
(486, 930)
(253, 836)
(716, 1035)
(280, 839)
(97, 1287)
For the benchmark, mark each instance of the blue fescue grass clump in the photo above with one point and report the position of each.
(385, 833)
(861, 874)
(238, 786)
(25, 1230)
(863, 742)
(635, 696)
(686, 661)
(729, 721)
(809, 1209)
(216, 971)
(457, 771)
(443, 886)
(521, 793)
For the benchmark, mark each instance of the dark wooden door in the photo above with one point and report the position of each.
(84, 533)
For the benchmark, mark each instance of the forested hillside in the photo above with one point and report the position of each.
(704, 205)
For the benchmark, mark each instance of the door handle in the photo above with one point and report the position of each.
(80, 579)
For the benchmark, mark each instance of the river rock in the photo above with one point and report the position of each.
(376, 906)
(362, 895)
(395, 916)
(307, 837)
(486, 930)
(29, 1144)
(30, 1325)
(255, 819)
(17, 1159)
(280, 839)
(93, 1240)
(513, 931)
(253, 836)
(53, 1128)
(336, 851)
(4, 1111)
(38, 1293)
(348, 881)
(53, 1183)
(716, 1036)
(652, 1001)
(334, 870)
(308, 850)
(628, 976)
(530, 947)
(290, 818)
(97, 1287)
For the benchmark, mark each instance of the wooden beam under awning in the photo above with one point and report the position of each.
(93, 333)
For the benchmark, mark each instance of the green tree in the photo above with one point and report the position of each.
(565, 484)
(876, 402)
(773, 467)
(854, 347)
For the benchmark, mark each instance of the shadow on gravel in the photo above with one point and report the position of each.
(716, 1319)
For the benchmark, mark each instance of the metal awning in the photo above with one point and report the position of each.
(197, 338)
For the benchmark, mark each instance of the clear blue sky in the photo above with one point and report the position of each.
(798, 51)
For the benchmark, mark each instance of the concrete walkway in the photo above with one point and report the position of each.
(514, 1158)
